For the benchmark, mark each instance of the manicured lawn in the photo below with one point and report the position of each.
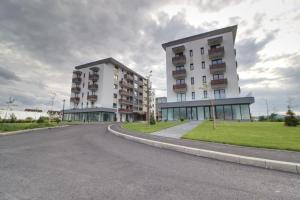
(255, 134)
(144, 127)
(5, 127)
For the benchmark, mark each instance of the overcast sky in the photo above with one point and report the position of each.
(41, 41)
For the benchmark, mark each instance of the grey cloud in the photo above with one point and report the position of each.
(215, 5)
(6, 75)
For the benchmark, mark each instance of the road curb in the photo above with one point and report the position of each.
(234, 158)
(28, 130)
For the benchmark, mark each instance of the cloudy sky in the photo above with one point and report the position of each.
(41, 41)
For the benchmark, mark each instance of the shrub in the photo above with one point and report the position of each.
(12, 118)
(152, 120)
(57, 120)
(28, 119)
(290, 119)
(42, 120)
(181, 119)
(262, 118)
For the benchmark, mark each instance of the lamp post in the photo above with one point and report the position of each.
(148, 96)
(63, 110)
(205, 87)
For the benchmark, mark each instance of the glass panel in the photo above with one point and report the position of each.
(170, 113)
(183, 113)
(236, 112)
(176, 114)
(219, 112)
(164, 113)
(245, 112)
(189, 113)
(194, 113)
(207, 113)
(200, 111)
(228, 112)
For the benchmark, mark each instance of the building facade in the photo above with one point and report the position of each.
(158, 101)
(202, 76)
(107, 90)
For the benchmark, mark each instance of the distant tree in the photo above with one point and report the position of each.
(273, 117)
(290, 119)
(262, 118)
(12, 118)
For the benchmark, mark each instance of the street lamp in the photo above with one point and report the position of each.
(205, 87)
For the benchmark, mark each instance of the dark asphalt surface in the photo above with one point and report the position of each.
(87, 162)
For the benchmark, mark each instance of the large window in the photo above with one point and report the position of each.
(217, 61)
(189, 113)
(194, 113)
(219, 112)
(245, 112)
(200, 112)
(170, 113)
(193, 95)
(227, 112)
(218, 76)
(206, 112)
(203, 79)
(219, 94)
(164, 114)
(180, 81)
(236, 112)
(183, 113)
(205, 94)
(179, 67)
(176, 114)
(181, 97)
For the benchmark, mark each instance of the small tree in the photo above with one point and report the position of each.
(152, 120)
(13, 118)
(290, 119)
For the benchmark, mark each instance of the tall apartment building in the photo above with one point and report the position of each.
(107, 90)
(201, 73)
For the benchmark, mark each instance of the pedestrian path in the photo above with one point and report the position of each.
(177, 131)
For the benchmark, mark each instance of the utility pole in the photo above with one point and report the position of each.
(148, 96)
(63, 111)
(267, 104)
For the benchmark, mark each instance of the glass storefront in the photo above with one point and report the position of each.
(90, 117)
(223, 112)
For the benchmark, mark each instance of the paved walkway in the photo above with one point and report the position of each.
(177, 131)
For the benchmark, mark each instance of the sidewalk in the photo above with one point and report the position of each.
(177, 131)
(280, 155)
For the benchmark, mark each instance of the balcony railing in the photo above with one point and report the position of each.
(178, 74)
(220, 67)
(123, 110)
(126, 84)
(93, 87)
(76, 80)
(215, 41)
(128, 77)
(94, 69)
(92, 97)
(216, 53)
(75, 99)
(94, 77)
(78, 73)
(125, 101)
(179, 60)
(180, 87)
(76, 90)
(219, 83)
(125, 93)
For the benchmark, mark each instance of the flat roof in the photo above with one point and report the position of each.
(107, 60)
(232, 29)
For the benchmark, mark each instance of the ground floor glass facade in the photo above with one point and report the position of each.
(90, 116)
(223, 112)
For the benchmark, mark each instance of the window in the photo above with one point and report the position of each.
(180, 97)
(83, 75)
(88, 94)
(192, 66)
(202, 50)
(217, 61)
(83, 85)
(191, 53)
(192, 80)
(115, 77)
(203, 65)
(115, 95)
(219, 94)
(180, 81)
(115, 86)
(218, 76)
(179, 67)
(204, 79)
(205, 94)
(82, 95)
(87, 104)
(135, 85)
(193, 95)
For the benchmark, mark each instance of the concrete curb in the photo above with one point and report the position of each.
(234, 158)
(28, 130)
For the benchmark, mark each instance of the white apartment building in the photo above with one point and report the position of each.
(201, 73)
(107, 90)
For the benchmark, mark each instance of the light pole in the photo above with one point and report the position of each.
(63, 110)
(211, 103)
(148, 96)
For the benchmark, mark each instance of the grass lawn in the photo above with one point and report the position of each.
(144, 127)
(272, 135)
(5, 127)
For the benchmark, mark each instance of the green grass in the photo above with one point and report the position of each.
(144, 127)
(272, 135)
(5, 127)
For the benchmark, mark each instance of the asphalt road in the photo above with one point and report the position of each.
(87, 162)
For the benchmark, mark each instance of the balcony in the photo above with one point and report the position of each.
(126, 84)
(125, 93)
(76, 90)
(75, 99)
(125, 102)
(217, 84)
(178, 88)
(93, 87)
(179, 60)
(92, 97)
(76, 80)
(220, 67)
(179, 74)
(94, 69)
(216, 53)
(78, 73)
(141, 83)
(178, 49)
(215, 41)
(94, 77)
(140, 97)
(128, 77)
(123, 110)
